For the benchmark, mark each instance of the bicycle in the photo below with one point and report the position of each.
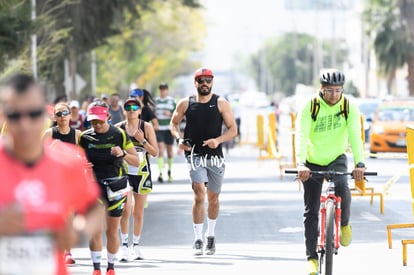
(329, 219)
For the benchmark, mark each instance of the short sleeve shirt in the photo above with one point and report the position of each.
(98, 146)
(50, 190)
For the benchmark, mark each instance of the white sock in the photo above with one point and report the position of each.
(124, 238)
(136, 239)
(198, 231)
(96, 256)
(211, 226)
(111, 258)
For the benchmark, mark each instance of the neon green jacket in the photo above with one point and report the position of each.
(322, 141)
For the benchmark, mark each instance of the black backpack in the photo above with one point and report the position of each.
(315, 106)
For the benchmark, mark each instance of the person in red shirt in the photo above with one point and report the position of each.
(41, 186)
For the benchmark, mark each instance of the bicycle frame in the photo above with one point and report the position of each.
(330, 205)
(336, 201)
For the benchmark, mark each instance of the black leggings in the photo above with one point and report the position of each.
(312, 193)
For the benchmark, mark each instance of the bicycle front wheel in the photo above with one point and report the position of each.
(329, 236)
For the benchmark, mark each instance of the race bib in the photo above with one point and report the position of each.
(29, 255)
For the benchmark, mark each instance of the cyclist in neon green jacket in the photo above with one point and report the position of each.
(321, 143)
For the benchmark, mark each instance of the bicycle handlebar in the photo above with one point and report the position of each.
(331, 172)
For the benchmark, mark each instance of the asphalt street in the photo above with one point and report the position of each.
(260, 224)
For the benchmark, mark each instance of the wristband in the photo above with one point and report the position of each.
(125, 153)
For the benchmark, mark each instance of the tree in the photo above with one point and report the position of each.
(15, 26)
(151, 49)
(64, 28)
(287, 60)
(390, 24)
(388, 35)
(407, 11)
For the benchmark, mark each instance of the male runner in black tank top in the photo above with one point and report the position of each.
(205, 113)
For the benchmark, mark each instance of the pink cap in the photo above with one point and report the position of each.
(97, 112)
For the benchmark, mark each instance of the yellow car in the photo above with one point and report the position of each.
(388, 128)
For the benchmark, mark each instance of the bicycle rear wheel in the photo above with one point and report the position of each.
(329, 236)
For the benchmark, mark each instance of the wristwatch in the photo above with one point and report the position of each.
(360, 165)
(125, 153)
(144, 142)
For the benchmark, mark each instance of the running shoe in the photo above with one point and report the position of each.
(137, 253)
(211, 245)
(69, 258)
(312, 267)
(346, 235)
(97, 272)
(198, 247)
(124, 254)
(110, 272)
(170, 179)
(160, 179)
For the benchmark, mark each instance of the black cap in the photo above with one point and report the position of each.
(163, 86)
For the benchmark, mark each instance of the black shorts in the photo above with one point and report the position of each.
(115, 201)
(140, 185)
(165, 136)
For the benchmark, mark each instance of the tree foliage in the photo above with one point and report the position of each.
(390, 26)
(63, 28)
(287, 60)
(151, 49)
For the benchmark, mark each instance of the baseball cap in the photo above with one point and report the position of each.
(74, 104)
(97, 112)
(104, 96)
(136, 92)
(203, 72)
(132, 100)
(163, 86)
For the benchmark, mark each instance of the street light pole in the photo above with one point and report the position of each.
(34, 42)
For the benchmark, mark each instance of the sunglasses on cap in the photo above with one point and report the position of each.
(201, 80)
(62, 113)
(131, 108)
(32, 114)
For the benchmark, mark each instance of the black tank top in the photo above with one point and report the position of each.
(203, 121)
(69, 137)
(137, 144)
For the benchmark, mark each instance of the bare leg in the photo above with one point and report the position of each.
(139, 213)
(198, 204)
(126, 214)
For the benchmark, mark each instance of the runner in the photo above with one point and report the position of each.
(76, 118)
(107, 147)
(147, 113)
(165, 106)
(40, 188)
(65, 133)
(143, 136)
(202, 144)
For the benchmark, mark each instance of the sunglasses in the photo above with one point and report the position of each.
(32, 114)
(201, 80)
(97, 121)
(131, 108)
(62, 113)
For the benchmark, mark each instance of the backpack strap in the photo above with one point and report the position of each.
(315, 106)
(345, 106)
